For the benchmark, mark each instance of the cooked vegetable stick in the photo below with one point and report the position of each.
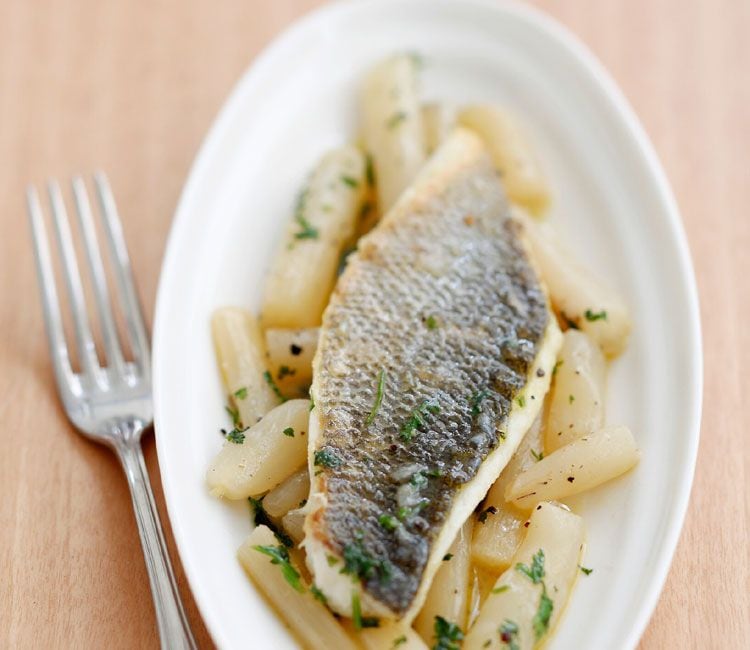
(264, 455)
(511, 152)
(288, 495)
(309, 619)
(583, 464)
(482, 581)
(392, 126)
(496, 539)
(241, 355)
(577, 294)
(449, 592)
(293, 523)
(370, 213)
(388, 635)
(304, 270)
(437, 122)
(577, 401)
(290, 355)
(527, 602)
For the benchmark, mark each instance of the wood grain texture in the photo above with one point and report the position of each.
(131, 87)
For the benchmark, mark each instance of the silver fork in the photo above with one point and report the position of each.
(109, 404)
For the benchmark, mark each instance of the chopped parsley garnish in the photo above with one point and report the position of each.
(500, 589)
(399, 641)
(285, 371)
(261, 518)
(307, 231)
(591, 316)
(279, 555)
(535, 572)
(369, 171)
(237, 436)
(404, 512)
(447, 557)
(431, 322)
(543, 614)
(571, 399)
(476, 401)
(538, 455)
(378, 398)
(418, 480)
(318, 594)
(241, 393)
(416, 419)
(557, 365)
(289, 431)
(417, 59)
(586, 571)
(234, 414)
(274, 387)
(358, 563)
(326, 458)
(312, 401)
(348, 180)
(357, 618)
(447, 635)
(389, 522)
(394, 120)
(521, 401)
(509, 634)
(434, 473)
(331, 560)
(356, 611)
(482, 516)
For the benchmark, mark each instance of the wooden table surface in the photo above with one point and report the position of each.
(132, 86)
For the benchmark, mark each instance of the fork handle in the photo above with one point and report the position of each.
(174, 631)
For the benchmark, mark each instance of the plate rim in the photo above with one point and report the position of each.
(617, 101)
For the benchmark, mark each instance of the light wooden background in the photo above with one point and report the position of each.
(132, 86)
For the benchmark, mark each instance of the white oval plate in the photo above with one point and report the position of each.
(611, 197)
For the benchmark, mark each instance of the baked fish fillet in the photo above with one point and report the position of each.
(435, 352)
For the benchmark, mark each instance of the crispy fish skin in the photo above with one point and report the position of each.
(443, 303)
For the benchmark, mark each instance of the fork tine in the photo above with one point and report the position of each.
(124, 274)
(84, 339)
(96, 267)
(50, 305)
